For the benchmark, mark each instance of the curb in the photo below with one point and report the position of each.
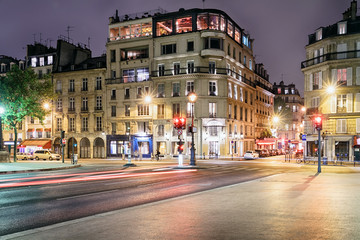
(40, 169)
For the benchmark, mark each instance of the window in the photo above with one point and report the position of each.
(189, 87)
(128, 75)
(228, 69)
(315, 102)
(212, 88)
(98, 103)
(98, 83)
(230, 28)
(213, 131)
(113, 128)
(176, 70)
(235, 111)
(316, 81)
(161, 68)
(202, 21)
(84, 84)
(58, 124)
(98, 124)
(50, 60)
(84, 104)
(176, 89)
(279, 90)
(161, 90)
(235, 92)
(319, 34)
(241, 95)
(113, 74)
(71, 104)
(214, 43)
(71, 85)
(40, 74)
(250, 64)
(190, 46)
(245, 61)
(142, 74)
(71, 124)
(161, 110)
(58, 86)
(127, 93)
(161, 130)
(42, 61)
(341, 103)
(168, 49)
(112, 55)
(246, 97)
(127, 110)
(176, 110)
(234, 52)
(33, 62)
(340, 125)
(212, 110)
(183, 24)
(240, 77)
(229, 90)
(212, 68)
(59, 105)
(113, 111)
(341, 76)
(143, 110)
(342, 28)
(190, 67)
(241, 113)
(318, 55)
(113, 94)
(164, 28)
(139, 92)
(246, 41)
(132, 54)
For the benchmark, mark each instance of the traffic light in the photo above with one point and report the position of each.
(179, 123)
(180, 146)
(318, 122)
(62, 134)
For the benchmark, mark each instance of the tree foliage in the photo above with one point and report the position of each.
(282, 110)
(23, 94)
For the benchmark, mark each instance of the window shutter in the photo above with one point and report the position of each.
(311, 82)
(349, 76)
(357, 102)
(320, 80)
(349, 102)
(333, 75)
(338, 125)
(358, 76)
(358, 125)
(333, 104)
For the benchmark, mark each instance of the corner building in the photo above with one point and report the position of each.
(333, 60)
(167, 56)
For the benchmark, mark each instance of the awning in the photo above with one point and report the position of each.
(30, 130)
(265, 142)
(43, 143)
(39, 129)
(47, 129)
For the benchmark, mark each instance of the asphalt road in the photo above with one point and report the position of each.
(34, 200)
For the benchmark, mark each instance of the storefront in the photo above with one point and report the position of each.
(142, 145)
(31, 145)
(117, 145)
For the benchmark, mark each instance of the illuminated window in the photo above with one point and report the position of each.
(212, 88)
(246, 40)
(237, 35)
(114, 34)
(129, 75)
(229, 90)
(230, 28)
(212, 109)
(184, 24)
(279, 90)
(42, 61)
(164, 27)
(146, 29)
(176, 89)
(214, 21)
(50, 60)
(125, 32)
(135, 30)
(222, 23)
(341, 76)
(342, 28)
(142, 74)
(235, 92)
(202, 21)
(319, 34)
(33, 62)
(143, 110)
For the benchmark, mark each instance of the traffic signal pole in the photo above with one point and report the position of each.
(319, 151)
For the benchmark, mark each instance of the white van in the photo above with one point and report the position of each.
(46, 155)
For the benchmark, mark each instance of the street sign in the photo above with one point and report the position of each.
(303, 137)
(64, 141)
(179, 132)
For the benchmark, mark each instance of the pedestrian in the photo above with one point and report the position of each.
(157, 155)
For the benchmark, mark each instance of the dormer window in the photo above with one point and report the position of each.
(3, 67)
(342, 28)
(319, 34)
(50, 60)
(33, 62)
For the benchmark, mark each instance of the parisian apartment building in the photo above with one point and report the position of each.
(167, 56)
(332, 87)
(289, 131)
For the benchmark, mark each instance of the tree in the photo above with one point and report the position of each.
(23, 94)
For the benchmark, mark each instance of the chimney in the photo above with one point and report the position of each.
(353, 9)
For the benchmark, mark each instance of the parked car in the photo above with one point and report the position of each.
(263, 152)
(23, 156)
(251, 155)
(272, 152)
(46, 155)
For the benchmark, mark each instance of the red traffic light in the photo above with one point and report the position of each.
(179, 123)
(180, 146)
(318, 122)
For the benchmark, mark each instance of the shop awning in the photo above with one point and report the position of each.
(39, 129)
(265, 142)
(43, 143)
(30, 130)
(47, 129)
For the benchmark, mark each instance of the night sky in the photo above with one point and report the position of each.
(280, 27)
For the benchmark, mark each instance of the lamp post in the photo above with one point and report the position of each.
(192, 99)
(2, 110)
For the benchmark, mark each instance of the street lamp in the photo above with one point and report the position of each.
(192, 99)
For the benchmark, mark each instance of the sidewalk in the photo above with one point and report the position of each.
(32, 166)
(284, 206)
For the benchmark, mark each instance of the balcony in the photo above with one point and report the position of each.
(98, 108)
(84, 129)
(71, 110)
(84, 109)
(330, 57)
(341, 109)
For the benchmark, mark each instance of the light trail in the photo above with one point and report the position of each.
(91, 178)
